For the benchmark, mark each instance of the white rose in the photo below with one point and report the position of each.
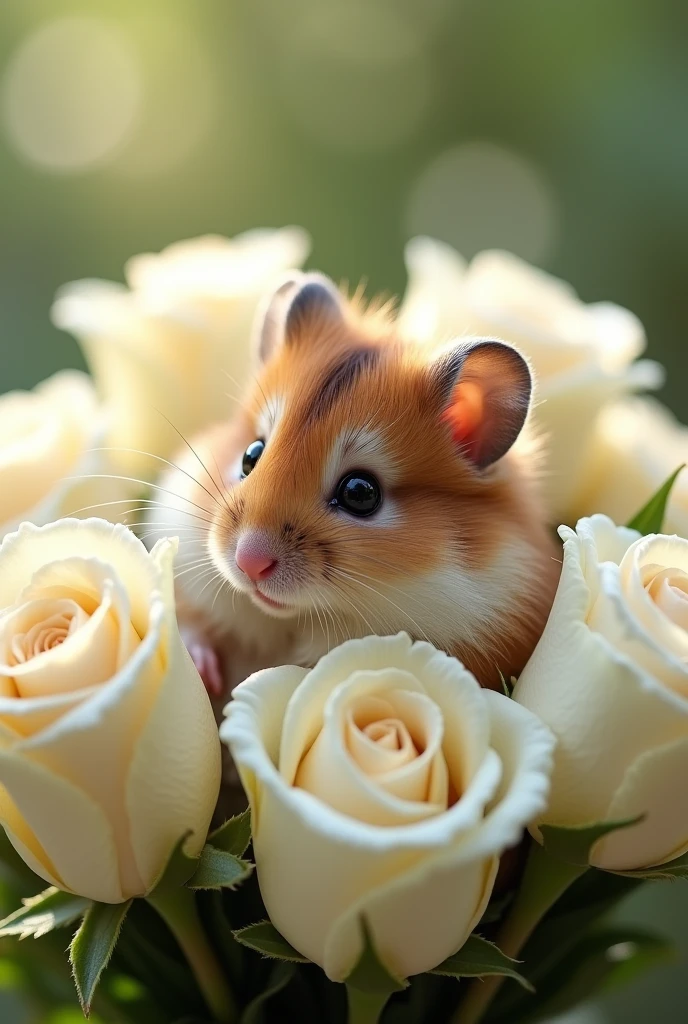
(49, 438)
(582, 355)
(610, 678)
(386, 783)
(638, 445)
(175, 344)
(108, 746)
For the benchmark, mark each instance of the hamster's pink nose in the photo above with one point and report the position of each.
(254, 558)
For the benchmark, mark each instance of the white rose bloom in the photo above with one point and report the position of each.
(610, 678)
(386, 783)
(582, 355)
(108, 747)
(175, 344)
(638, 445)
(49, 439)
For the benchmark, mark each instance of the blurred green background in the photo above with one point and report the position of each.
(558, 130)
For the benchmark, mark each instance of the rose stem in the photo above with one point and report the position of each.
(365, 1007)
(545, 879)
(177, 907)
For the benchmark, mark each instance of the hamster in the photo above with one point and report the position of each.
(366, 485)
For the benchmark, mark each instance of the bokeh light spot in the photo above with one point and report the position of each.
(180, 98)
(71, 94)
(482, 196)
(355, 78)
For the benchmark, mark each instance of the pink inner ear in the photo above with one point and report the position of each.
(465, 417)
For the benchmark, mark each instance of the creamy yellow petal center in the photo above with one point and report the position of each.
(668, 588)
(46, 625)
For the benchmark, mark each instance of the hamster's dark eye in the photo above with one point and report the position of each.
(251, 456)
(358, 493)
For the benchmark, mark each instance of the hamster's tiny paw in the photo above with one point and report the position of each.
(208, 664)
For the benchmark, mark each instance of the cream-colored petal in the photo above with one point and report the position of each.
(435, 272)
(71, 829)
(654, 786)
(417, 770)
(619, 334)
(20, 718)
(417, 921)
(657, 552)
(525, 746)
(465, 715)
(627, 625)
(93, 744)
(35, 452)
(638, 443)
(86, 658)
(578, 683)
(174, 773)
(253, 726)
(24, 840)
(299, 837)
(32, 549)
(216, 266)
(329, 772)
(566, 416)
(443, 678)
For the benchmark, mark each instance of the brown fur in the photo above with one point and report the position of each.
(481, 530)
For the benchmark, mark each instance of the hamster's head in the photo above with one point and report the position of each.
(370, 488)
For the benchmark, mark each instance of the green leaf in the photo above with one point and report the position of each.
(179, 868)
(370, 974)
(595, 963)
(279, 979)
(265, 939)
(573, 844)
(477, 958)
(677, 868)
(92, 947)
(219, 870)
(650, 519)
(40, 914)
(234, 836)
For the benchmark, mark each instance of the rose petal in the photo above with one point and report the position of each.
(654, 785)
(58, 812)
(329, 772)
(173, 774)
(299, 837)
(578, 683)
(31, 548)
(86, 658)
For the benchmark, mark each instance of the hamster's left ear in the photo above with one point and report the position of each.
(484, 388)
(294, 312)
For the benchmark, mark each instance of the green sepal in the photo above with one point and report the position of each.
(650, 519)
(179, 868)
(370, 974)
(478, 958)
(219, 870)
(93, 945)
(264, 938)
(279, 979)
(234, 836)
(677, 868)
(42, 913)
(574, 844)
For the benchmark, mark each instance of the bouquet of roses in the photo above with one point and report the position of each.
(414, 848)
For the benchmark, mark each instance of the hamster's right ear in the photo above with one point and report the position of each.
(294, 312)
(484, 387)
